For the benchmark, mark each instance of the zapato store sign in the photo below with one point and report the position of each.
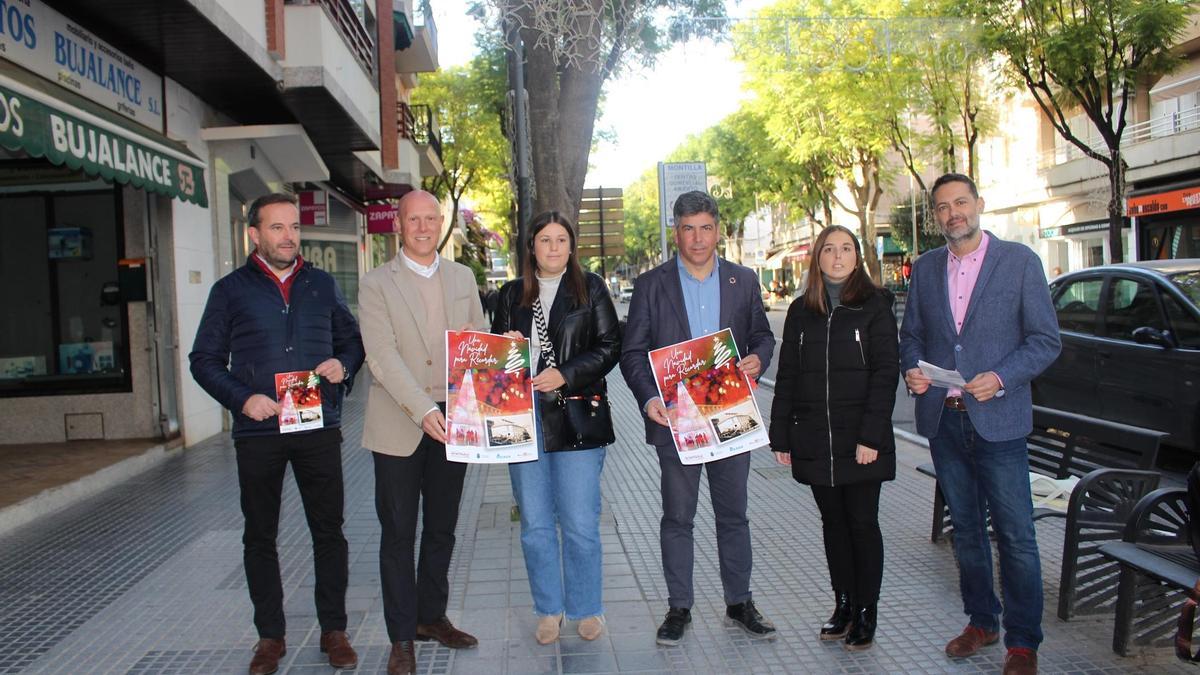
(47, 43)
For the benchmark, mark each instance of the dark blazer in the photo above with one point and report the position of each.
(247, 334)
(1010, 328)
(658, 317)
(835, 389)
(587, 342)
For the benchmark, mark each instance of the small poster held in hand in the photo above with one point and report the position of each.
(709, 400)
(299, 396)
(489, 402)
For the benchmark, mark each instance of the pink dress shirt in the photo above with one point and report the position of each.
(961, 275)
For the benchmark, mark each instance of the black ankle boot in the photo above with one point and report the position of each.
(837, 625)
(862, 629)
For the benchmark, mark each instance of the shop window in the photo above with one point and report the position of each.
(340, 260)
(64, 328)
(1077, 306)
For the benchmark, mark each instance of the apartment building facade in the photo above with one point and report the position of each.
(133, 136)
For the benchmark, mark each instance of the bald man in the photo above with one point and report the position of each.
(405, 308)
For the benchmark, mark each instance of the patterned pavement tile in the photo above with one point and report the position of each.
(146, 578)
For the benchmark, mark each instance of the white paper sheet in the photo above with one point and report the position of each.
(950, 379)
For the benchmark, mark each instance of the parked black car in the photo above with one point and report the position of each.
(1130, 347)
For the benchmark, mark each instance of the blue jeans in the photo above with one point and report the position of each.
(978, 477)
(561, 490)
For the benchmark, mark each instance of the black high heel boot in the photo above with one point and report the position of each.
(862, 629)
(837, 625)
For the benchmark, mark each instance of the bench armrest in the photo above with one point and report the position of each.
(1108, 496)
(1160, 517)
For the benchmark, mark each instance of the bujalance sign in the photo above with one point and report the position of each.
(45, 42)
(97, 147)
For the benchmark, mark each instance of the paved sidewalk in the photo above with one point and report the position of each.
(147, 578)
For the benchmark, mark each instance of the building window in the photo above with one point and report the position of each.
(65, 328)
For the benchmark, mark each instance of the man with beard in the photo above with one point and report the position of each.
(277, 314)
(980, 305)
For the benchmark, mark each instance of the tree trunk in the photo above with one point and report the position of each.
(1116, 206)
(541, 85)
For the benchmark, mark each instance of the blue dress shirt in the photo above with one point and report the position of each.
(701, 299)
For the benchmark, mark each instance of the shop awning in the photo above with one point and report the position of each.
(787, 254)
(44, 120)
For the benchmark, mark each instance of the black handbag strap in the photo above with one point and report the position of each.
(543, 333)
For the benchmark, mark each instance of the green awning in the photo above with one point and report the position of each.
(890, 247)
(35, 119)
(402, 32)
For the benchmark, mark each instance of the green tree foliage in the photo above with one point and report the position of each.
(468, 102)
(642, 230)
(929, 237)
(572, 47)
(1087, 57)
(941, 89)
(820, 84)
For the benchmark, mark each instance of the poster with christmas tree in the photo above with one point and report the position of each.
(710, 401)
(299, 396)
(489, 399)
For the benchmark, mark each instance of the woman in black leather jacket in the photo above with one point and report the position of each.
(561, 489)
(831, 420)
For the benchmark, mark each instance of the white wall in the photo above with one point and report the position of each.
(196, 264)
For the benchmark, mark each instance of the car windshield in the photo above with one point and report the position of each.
(1189, 283)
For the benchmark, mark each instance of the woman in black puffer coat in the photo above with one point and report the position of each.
(832, 420)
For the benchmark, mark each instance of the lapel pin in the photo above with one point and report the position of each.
(732, 280)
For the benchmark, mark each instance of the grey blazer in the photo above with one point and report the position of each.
(1010, 328)
(657, 318)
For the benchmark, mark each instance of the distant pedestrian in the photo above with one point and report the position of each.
(981, 306)
(831, 421)
(692, 295)
(406, 306)
(575, 339)
(277, 314)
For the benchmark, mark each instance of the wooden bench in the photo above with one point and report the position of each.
(1115, 466)
(1157, 566)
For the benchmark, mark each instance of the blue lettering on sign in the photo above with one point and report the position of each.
(82, 61)
(16, 25)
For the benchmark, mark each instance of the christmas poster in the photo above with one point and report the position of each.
(489, 399)
(299, 396)
(710, 402)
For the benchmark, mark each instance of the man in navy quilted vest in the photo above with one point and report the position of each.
(277, 315)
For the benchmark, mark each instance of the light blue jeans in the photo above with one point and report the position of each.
(561, 490)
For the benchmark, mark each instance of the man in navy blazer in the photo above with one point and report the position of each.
(694, 294)
(980, 305)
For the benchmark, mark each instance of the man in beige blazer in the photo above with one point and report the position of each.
(405, 307)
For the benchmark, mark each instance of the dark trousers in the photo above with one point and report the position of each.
(853, 542)
(680, 491)
(419, 594)
(316, 458)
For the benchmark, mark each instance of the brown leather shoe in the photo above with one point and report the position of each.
(267, 653)
(972, 639)
(336, 644)
(403, 660)
(1020, 661)
(444, 632)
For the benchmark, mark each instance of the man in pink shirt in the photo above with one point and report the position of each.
(980, 305)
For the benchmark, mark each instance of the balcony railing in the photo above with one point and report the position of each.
(416, 123)
(357, 37)
(1159, 127)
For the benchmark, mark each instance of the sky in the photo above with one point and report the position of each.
(648, 112)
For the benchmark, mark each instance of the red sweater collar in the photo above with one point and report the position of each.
(285, 287)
